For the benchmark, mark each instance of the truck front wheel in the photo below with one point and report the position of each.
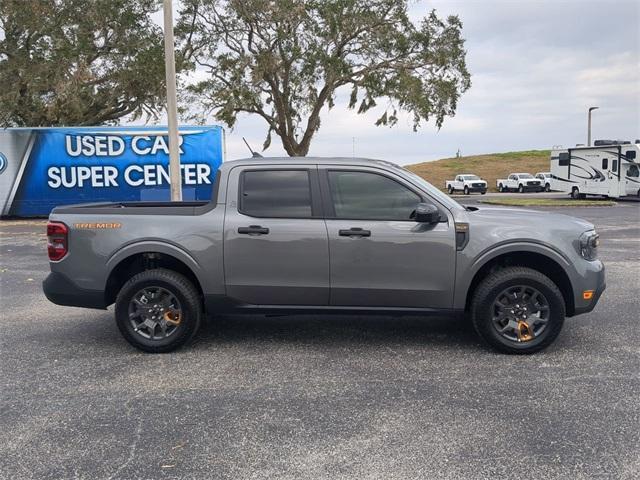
(158, 310)
(518, 310)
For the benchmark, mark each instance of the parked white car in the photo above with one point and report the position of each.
(545, 178)
(466, 183)
(521, 182)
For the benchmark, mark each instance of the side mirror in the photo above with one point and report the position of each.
(426, 213)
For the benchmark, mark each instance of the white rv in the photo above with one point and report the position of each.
(608, 168)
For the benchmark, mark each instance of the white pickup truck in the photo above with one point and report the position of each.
(521, 182)
(545, 178)
(466, 183)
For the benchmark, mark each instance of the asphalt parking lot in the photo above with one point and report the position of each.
(313, 397)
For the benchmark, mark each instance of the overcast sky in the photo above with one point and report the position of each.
(536, 66)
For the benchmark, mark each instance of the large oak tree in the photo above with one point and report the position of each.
(79, 62)
(284, 60)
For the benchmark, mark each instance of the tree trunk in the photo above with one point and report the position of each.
(293, 148)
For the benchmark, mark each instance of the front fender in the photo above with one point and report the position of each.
(469, 266)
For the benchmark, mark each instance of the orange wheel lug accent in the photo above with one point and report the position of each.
(524, 331)
(172, 317)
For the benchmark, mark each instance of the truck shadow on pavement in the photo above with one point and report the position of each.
(337, 331)
(331, 331)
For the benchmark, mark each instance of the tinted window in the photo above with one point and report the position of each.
(633, 171)
(564, 159)
(276, 193)
(605, 163)
(363, 195)
(614, 166)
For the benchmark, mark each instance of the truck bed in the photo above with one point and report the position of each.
(137, 208)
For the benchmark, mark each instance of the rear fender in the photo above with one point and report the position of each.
(154, 246)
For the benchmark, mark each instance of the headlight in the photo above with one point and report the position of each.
(589, 242)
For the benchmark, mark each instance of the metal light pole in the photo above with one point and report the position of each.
(175, 174)
(591, 109)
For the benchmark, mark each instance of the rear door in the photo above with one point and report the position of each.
(380, 257)
(275, 239)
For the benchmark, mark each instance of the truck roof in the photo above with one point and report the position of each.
(307, 160)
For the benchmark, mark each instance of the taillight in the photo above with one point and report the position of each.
(57, 240)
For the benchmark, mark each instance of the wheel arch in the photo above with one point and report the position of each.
(544, 262)
(137, 258)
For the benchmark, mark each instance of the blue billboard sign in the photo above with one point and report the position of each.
(44, 168)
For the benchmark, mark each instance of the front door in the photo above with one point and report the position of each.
(379, 256)
(275, 240)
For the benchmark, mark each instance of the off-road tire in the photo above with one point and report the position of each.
(496, 282)
(184, 291)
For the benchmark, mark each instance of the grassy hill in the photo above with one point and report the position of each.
(490, 166)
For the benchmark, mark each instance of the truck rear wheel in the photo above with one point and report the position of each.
(500, 188)
(450, 190)
(518, 310)
(158, 310)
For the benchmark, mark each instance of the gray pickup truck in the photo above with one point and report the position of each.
(323, 235)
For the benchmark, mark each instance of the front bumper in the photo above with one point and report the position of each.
(61, 290)
(533, 188)
(593, 280)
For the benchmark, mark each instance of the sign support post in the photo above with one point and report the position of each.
(172, 109)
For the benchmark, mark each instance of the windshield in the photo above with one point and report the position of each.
(525, 175)
(471, 177)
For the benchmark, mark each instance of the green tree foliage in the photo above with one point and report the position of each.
(284, 60)
(79, 62)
